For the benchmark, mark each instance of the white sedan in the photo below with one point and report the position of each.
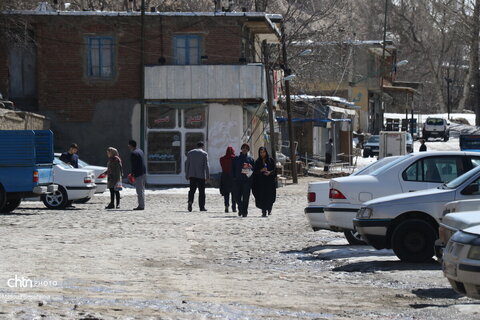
(461, 262)
(412, 172)
(73, 184)
(408, 222)
(318, 198)
(99, 171)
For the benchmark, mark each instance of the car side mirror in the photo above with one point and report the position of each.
(471, 189)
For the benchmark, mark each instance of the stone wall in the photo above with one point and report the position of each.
(20, 120)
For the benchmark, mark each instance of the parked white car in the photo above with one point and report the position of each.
(317, 197)
(457, 215)
(73, 184)
(411, 172)
(408, 222)
(461, 262)
(99, 172)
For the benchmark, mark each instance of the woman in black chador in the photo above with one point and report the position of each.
(264, 188)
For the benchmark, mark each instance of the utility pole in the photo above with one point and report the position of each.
(270, 101)
(293, 156)
(378, 126)
(142, 76)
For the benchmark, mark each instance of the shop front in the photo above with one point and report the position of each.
(172, 130)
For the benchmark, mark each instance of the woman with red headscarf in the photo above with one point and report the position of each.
(226, 179)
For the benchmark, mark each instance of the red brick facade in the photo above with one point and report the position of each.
(62, 85)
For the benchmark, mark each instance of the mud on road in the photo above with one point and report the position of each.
(168, 263)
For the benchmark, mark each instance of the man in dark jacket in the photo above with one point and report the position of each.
(138, 172)
(70, 157)
(242, 175)
(197, 172)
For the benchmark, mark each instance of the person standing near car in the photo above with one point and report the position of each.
(197, 171)
(71, 157)
(138, 172)
(423, 146)
(242, 177)
(328, 154)
(114, 180)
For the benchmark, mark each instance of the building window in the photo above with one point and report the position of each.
(100, 57)
(187, 49)
(164, 152)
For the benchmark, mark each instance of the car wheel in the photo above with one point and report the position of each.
(11, 205)
(413, 240)
(84, 200)
(353, 238)
(446, 138)
(56, 200)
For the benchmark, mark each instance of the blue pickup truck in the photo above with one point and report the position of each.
(26, 166)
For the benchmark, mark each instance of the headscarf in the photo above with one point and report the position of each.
(227, 159)
(115, 155)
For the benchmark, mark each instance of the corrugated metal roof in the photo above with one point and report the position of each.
(43, 10)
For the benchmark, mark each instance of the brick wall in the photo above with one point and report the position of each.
(62, 85)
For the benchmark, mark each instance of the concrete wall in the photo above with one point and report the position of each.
(111, 126)
(224, 129)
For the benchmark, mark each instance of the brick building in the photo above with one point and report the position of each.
(202, 79)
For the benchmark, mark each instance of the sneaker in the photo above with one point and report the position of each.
(203, 209)
(138, 208)
(269, 211)
(226, 209)
(110, 206)
(190, 207)
(118, 206)
(234, 209)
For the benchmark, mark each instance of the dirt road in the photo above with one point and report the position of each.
(167, 263)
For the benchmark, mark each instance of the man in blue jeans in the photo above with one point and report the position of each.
(242, 179)
(138, 172)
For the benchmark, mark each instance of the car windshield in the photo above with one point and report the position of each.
(390, 165)
(434, 122)
(61, 163)
(374, 166)
(82, 163)
(374, 139)
(461, 179)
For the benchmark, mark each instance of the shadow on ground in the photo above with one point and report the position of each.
(437, 293)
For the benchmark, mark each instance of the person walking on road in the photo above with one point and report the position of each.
(242, 176)
(226, 178)
(138, 172)
(423, 146)
(71, 157)
(197, 172)
(328, 154)
(114, 177)
(263, 187)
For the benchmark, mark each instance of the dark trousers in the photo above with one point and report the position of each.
(114, 195)
(242, 196)
(328, 160)
(226, 199)
(200, 184)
